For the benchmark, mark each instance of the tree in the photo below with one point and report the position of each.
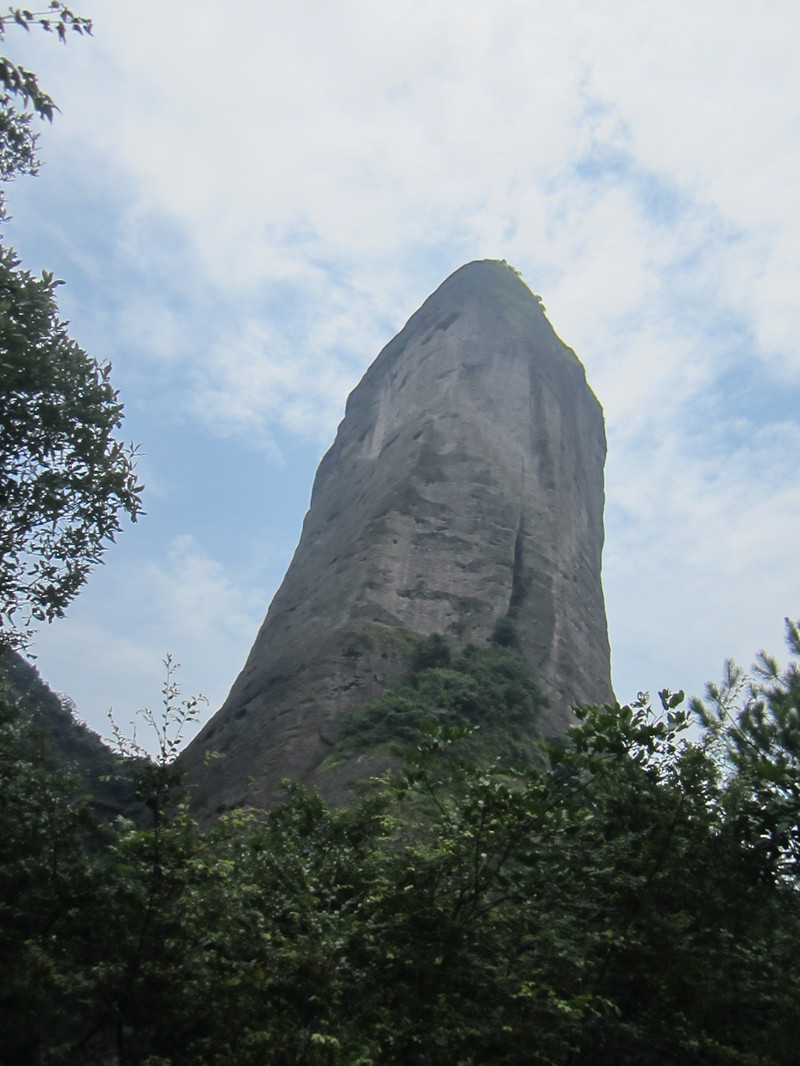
(65, 478)
(48, 880)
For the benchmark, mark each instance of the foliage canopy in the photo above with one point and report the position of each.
(635, 901)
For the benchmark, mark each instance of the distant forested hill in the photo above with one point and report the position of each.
(66, 744)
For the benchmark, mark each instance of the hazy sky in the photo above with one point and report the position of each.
(247, 201)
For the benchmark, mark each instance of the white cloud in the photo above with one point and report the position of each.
(698, 558)
(317, 146)
(108, 652)
(198, 595)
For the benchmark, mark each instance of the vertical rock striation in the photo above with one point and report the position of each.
(466, 479)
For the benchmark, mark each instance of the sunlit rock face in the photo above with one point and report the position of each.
(465, 479)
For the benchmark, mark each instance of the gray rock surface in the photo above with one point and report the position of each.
(466, 478)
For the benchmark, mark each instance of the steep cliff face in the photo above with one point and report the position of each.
(465, 479)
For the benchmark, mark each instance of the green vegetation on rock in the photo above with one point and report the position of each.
(492, 690)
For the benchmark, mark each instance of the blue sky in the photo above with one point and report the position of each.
(247, 202)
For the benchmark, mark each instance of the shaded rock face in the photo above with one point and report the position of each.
(466, 479)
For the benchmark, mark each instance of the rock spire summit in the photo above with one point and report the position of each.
(465, 481)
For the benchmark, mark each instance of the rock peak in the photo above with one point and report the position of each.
(465, 483)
